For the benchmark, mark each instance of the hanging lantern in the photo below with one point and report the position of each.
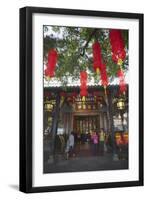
(122, 83)
(117, 46)
(97, 57)
(52, 61)
(121, 104)
(83, 93)
(83, 86)
(98, 64)
(118, 55)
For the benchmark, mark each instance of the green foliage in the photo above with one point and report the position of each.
(74, 46)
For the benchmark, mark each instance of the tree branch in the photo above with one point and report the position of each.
(89, 39)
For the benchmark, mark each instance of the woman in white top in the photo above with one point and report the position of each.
(70, 145)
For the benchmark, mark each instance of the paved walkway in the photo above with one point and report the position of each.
(79, 164)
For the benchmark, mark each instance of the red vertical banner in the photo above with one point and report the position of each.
(83, 82)
(52, 61)
(97, 57)
(118, 55)
(122, 83)
(117, 46)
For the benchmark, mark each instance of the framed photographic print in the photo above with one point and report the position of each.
(81, 99)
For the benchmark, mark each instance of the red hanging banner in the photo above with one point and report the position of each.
(83, 81)
(98, 64)
(52, 61)
(97, 57)
(117, 46)
(118, 55)
(122, 83)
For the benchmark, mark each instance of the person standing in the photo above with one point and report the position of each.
(70, 145)
(102, 141)
(108, 142)
(94, 139)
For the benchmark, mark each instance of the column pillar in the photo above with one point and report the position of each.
(101, 120)
(111, 113)
(55, 122)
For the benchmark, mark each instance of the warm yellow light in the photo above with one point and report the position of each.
(120, 62)
(48, 106)
(121, 104)
(97, 71)
(83, 98)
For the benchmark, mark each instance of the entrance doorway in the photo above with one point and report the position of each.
(83, 125)
(86, 124)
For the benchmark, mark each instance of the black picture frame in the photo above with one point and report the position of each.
(26, 74)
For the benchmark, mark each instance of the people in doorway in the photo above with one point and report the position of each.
(78, 138)
(95, 140)
(102, 140)
(82, 138)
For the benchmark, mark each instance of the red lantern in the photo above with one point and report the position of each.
(83, 93)
(83, 81)
(117, 46)
(52, 60)
(97, 57)
(98, 64)
(122, 83)
(104, 77)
